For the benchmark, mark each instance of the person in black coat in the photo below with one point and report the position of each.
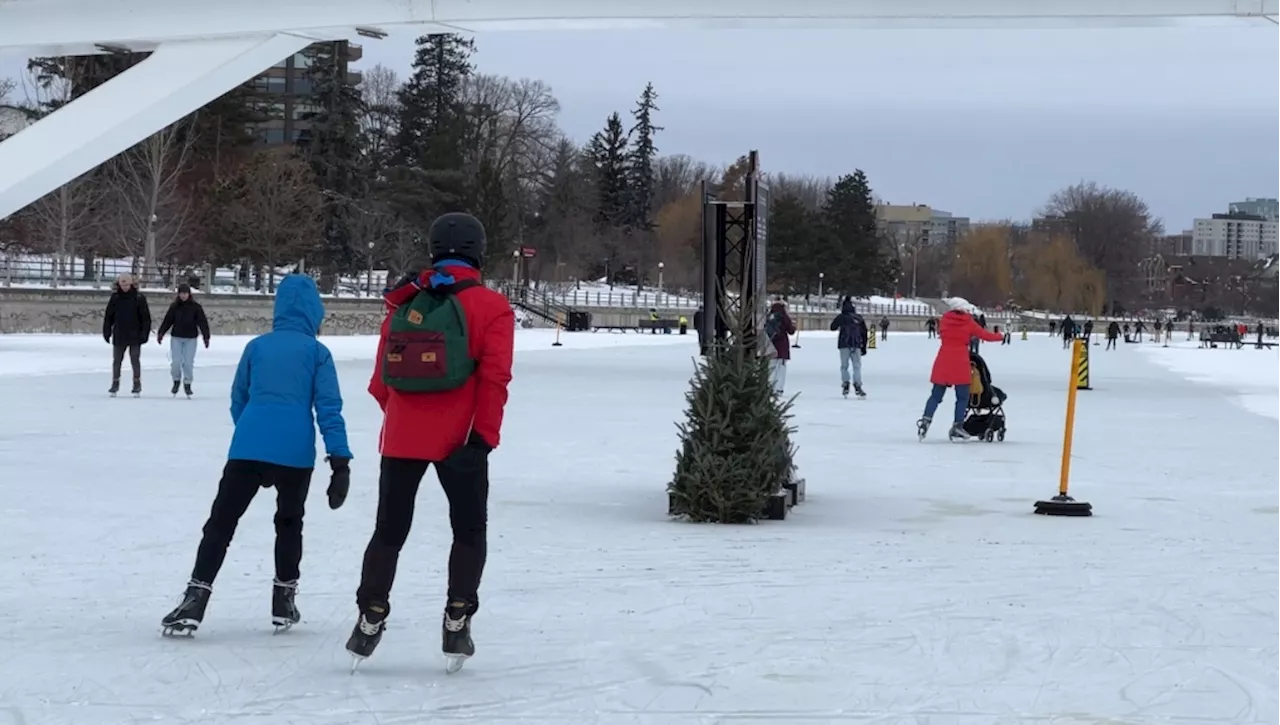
(1113, 332)
(187, 321)
(697, 327)
(851, 341)
(126, 326)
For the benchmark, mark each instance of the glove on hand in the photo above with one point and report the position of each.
(339, 481)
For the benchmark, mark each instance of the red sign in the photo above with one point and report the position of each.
(528, 252)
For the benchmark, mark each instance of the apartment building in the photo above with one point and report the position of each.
(285, 91)
(908, 223)
(1234, 236)
(1268, 209)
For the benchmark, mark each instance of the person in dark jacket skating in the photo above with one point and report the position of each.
(1113, 333)
(1087, 331)
(283, 376)
(884, 327)
(851, 341)
(187, 322)
(1068, 331)
(434, 417)
(126, 325)
(931, 326)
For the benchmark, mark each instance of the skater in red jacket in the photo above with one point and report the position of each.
(441, 375)
(951, 366)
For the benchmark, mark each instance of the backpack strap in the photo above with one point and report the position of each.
(453, 289)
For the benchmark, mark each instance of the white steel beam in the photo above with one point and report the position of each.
(174, 81)
(50, 27)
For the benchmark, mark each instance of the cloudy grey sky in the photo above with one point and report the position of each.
(984, 124)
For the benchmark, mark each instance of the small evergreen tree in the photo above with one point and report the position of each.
(735, 443)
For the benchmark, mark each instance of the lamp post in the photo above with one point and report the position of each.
(515, 267)
(660, 266)
(368, 281)
(820, 276)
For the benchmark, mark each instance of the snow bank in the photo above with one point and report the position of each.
(1254, 374)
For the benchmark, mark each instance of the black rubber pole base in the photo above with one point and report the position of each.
(1064, 506)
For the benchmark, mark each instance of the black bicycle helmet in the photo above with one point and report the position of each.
(456, 234)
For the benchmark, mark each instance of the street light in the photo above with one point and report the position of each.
(515, 267)
(368, 281)
(660, 266)
(820, 276)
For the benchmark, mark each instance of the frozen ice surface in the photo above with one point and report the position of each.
(915, 585)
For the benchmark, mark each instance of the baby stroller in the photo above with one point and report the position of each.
(984, 419)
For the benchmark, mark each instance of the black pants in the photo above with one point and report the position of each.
(1111, 343)
(466, 484)
(240, 482)
(135, 360)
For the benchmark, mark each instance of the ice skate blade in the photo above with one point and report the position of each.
(178, 631)
(281, 627)
(454, 663)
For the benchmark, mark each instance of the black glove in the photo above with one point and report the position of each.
(864, 351)
(107, 337)
(340, 481)
(472, 457)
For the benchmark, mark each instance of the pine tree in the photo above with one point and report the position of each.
(640, 160)
(432, 118)
(794, 261)
(331, 145)
(853, 257)
(735, 443)
(608, 152)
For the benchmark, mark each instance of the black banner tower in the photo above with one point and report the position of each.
(734, 244)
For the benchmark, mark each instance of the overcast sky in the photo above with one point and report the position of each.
(983, 124)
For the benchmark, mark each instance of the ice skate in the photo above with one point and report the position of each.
(174, 390)
(958, 433)
(137, 389)
(922, 427)
(367, 633)
(186, 389)
(844, 389)
(457, 644)
(186, 618)
(284, 612)
(115, 388)
(857, 389)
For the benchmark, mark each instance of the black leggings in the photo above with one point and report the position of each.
(240, 482)
(465, 480)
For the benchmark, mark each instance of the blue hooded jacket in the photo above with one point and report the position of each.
(282, 376)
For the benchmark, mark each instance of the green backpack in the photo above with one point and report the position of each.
(427, 349)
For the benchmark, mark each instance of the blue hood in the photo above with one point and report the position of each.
(298, 306)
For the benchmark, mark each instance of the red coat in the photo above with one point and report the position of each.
(951, 367)
(430, 426)
(781, 343)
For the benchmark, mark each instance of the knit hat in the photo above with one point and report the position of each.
(184, 287)
(959, 304)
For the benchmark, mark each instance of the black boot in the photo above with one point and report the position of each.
(137, 388)
(186, 618)
(922, 427)
(368, 630)
(115, 387)
(844, 389)
(284, 612)
(859, 391)
(186, 388)
(457, 645)
(174, 389)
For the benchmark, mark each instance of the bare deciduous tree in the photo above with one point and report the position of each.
(272, 211)
(379, 113)
(150, 211)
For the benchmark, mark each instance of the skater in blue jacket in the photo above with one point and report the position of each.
(282, 378)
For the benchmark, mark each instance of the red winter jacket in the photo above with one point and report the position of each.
(951, 367)
(430, 426)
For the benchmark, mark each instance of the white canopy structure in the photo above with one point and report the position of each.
(203, 48)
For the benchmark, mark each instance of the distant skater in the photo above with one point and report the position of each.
(187, 322)
(851, 341)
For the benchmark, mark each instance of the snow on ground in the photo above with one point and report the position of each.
(1254, 374)
(914, 586)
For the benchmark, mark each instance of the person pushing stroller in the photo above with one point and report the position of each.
(951, 366)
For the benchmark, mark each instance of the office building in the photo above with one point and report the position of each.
(285, 92)
(909, 223)
(1268, 209)
(1234, 236)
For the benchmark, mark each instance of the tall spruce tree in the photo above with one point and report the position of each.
(853, 257)
(331, 145)
(426, 176)
(640, 162)
(608, 152)
(432, 117)
(794, 261)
